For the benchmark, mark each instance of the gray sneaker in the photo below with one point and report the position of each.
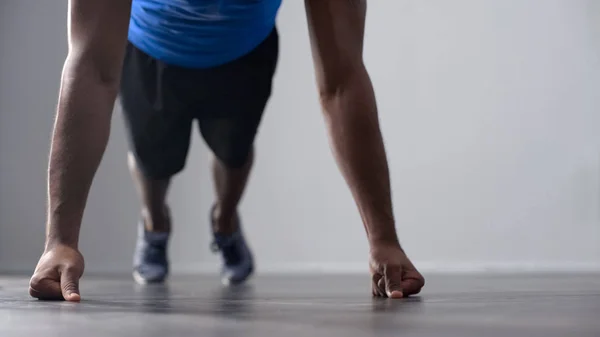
(150, 263)
(238, 262)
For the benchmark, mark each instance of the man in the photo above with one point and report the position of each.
(211, 61)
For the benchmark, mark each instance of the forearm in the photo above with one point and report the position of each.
(351, 115)
(79, 139)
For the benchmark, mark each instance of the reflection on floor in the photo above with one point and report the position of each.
(288, 306)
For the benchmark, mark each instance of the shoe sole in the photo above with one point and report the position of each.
(139, 279)
(227, 282)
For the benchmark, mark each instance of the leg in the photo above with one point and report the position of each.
(159, 130)
(231, 165)
(228, 123)
(229, 183)
(152, 194)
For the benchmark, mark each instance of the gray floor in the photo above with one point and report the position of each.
(462, 306)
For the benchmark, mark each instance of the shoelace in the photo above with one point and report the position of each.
(232, 250)
(155, 253)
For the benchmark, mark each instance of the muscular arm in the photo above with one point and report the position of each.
(97, 34)
(336, 29)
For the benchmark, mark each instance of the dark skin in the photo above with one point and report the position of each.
(91, 74)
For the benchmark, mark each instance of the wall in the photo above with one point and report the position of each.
(489, 111)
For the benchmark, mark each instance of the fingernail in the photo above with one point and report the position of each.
(395, 294)
(73, 297)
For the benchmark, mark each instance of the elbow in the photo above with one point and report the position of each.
(328, 93)
(331, 86)
(343, 88)
(337, 82)
(108, 77)
(331, 96)
(79, 67)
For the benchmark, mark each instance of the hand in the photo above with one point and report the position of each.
(394, 276)
(57, 274)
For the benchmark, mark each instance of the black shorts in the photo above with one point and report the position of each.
(161, 101)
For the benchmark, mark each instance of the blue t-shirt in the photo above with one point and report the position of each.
(200, 33)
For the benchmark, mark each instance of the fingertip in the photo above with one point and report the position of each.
(395, 294)
(33, 293)
(73, 297)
